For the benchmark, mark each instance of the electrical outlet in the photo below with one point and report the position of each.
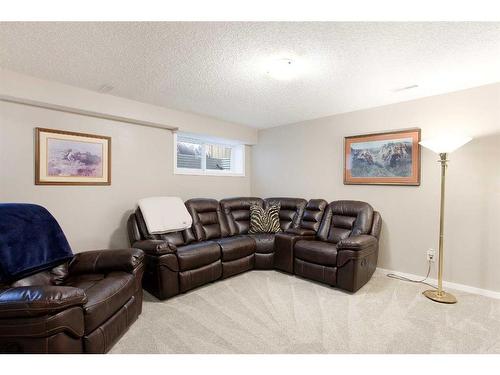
(431, 255)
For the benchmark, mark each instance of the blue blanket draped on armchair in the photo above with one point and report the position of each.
(31, 240)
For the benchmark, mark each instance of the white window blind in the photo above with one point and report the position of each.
(218, 157)
(199, 155)
(189, 153)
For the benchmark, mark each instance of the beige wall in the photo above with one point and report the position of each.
(306, 160)
(297, 160)
(142, 161)
(34, 89)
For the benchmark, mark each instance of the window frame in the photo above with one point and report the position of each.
(237, 157)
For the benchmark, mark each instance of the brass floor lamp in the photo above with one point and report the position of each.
(443, 147)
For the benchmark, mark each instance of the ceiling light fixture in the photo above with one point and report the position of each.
(282, 69)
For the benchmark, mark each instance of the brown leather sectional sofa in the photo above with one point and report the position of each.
(81, 306)
(86, 304)
(334, 243)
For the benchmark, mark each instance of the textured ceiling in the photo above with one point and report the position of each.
(217, 69)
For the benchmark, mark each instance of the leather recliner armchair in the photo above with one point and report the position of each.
(344, 251)
(80, 306)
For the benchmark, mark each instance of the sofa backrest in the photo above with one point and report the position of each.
(313, 214)
(231, 216)
(54, 276)
(343, 219)
(137, 231)
(237, 213)
(208, 220)
(291, 210)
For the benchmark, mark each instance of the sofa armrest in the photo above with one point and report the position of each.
(356, 247)
(301, 231)
(360, 242)
(284, 244)
(102, 261)
(29, 301)
(156, 247)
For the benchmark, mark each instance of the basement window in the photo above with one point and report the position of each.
(204, 155)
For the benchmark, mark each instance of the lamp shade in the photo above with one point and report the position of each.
(445, 144)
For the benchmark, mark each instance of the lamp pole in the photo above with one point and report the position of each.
(440, 295)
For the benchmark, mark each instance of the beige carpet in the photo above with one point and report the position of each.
(271, 312)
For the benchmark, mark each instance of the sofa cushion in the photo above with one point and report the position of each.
(236, 247)
(319, 252)
(197, 255)
(313, 213)
(208, 220)
(106, 294)
(264, 242)
(237, 213)
(265, 220)
(343, 219)
(291, 210)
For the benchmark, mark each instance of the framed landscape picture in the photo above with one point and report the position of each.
(391, 158)
(68, 158)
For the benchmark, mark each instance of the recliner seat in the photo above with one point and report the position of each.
(345, 249)
(308, 226)
(334, 243)
(237, 254)
(80, 306)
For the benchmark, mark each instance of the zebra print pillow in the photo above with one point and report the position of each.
(265, 220)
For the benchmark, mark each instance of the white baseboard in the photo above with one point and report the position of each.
(446, 284)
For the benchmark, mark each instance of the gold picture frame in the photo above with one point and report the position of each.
(71, 158)
(389, 158)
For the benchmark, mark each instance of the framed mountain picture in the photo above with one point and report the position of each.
(391, 158)
(69, 158)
